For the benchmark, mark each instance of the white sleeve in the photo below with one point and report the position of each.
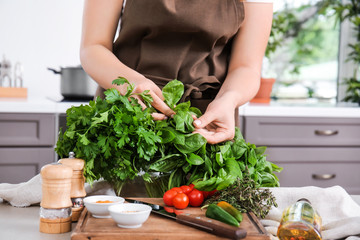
(260, 1)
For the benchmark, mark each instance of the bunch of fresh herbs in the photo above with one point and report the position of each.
(247, 196)
(118, 140)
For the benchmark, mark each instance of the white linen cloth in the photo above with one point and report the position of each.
(29, 193)
(339, 212)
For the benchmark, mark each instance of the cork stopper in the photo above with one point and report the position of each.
(77, 180)
(56, 186)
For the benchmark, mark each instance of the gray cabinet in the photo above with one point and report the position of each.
(26, 144)
(313, 151)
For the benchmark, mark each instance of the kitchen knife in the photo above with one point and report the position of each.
(201, 223)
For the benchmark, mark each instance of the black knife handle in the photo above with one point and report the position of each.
(212, 226)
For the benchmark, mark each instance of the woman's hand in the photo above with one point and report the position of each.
(218, 122)
(243, 78)
(158, 103)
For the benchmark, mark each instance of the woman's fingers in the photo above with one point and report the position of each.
(204, 120)
(140, 101)
(158, 116)
(213, 137)
(160, 105)
(155, 92)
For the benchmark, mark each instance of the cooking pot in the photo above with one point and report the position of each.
(75, 83)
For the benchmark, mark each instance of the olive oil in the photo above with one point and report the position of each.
(300, 221)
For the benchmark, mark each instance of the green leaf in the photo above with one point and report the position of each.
(276, 168)
(232, 168)
(186, 168)
(208, 165)
(252, 157)
(167, 163)
(112, 95)
(120, 81)
(70, 134)
(195, 111)
(147, 98)
(173, 92)
(219, 159)
(194, 159)
(192, 143)
(167, 135)
(184, 106)
(226, 150)
(207, 185)
(225, 183)
(103, 118)
(83, 139)
(260, 150)
(176, 179)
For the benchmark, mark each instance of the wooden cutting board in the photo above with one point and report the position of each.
(157, 227)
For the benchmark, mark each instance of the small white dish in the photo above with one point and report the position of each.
(99, 209)
(130, 215)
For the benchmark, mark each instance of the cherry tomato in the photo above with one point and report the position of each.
(186, 189)
(178, 189)
(181, 201)
(196, 198)
(169, 196)
(191, 185)
(206, 194)
(211, 193)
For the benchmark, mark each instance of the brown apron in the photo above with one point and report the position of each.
(188, 40)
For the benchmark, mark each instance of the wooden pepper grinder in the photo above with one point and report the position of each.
(55, 210)
(77, 184)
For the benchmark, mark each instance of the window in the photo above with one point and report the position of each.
(305, 40)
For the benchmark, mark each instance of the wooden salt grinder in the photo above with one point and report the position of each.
(56, 186)
(77, 184)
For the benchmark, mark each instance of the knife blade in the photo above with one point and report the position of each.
(202, 223)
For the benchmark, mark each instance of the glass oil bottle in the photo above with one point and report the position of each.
(300, 221)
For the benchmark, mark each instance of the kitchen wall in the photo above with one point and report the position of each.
(41, 34)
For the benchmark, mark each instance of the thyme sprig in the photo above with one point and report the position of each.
(246, 195)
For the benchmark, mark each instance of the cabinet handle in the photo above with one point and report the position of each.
(323, 176)
(326, 132)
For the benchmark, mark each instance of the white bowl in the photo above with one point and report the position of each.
(130, 215)
(100, 210)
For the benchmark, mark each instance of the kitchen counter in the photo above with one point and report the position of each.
(274, 108)
(23, 223)
(36, 105)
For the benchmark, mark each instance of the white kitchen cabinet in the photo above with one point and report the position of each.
(26, 144)
(313, 151)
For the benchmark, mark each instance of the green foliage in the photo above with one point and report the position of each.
(311, 43)
(350, 10)
(117, 140)
(309, 37)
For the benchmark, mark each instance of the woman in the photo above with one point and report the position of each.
(215, 47)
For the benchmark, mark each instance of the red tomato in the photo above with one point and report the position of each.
(206, 194)
(196, 198)
(169, 196)
(178, 189)
(186, 189)
(211, 193)
(181, 201)
(191, 185)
